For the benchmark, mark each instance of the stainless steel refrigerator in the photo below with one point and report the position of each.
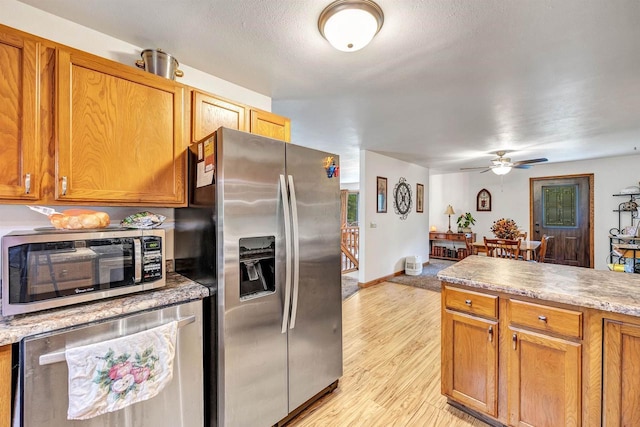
(263, 231)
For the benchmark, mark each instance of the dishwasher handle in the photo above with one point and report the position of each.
(59, 356)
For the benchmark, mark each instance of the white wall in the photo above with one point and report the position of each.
(34, 21)
(384, 248)
(510, 196)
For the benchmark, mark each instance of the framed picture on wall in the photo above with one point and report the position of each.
(419, 198)
(381, 197)
(483, 201)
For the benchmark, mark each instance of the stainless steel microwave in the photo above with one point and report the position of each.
(43, 270)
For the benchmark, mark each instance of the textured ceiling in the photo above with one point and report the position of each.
(443, 84)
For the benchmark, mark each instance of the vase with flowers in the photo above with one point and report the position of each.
(465, 221)
(505, 228)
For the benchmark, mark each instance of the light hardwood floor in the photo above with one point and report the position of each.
(391, 339)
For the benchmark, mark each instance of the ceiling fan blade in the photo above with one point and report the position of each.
(522, 166)
(473, 169)
(530, 161)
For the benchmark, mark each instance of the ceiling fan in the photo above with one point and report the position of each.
(502, 165)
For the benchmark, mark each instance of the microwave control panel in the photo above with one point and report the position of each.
(151, 258)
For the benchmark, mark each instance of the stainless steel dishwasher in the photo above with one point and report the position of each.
(43, 373)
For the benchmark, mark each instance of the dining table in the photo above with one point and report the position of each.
(528, 248)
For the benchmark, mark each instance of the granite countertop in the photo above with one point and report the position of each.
(611, 291)
(178, 289)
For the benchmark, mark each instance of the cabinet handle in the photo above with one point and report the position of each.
(64, 185)
(27, 183)
(468, 302)
(490, 333)
(514, 340)
(542, 318)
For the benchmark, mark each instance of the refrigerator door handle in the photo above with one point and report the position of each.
(296, 252)
(287, 242)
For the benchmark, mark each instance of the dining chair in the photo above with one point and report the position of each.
(468, 241)
(522, 235)
(503, 248)
(542, 249)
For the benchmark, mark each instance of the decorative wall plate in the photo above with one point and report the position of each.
(402, 200)
(483, 201)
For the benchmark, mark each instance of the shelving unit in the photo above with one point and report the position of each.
(450, 250)
(622, 246)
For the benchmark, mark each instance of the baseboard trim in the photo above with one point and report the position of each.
(379, 280)
(385, 278)
(479, 415)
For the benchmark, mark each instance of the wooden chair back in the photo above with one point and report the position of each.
(522, 235)
(468, 240)
(503, 248)
(542, 250)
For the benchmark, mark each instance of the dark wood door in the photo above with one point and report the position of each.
(562, 207)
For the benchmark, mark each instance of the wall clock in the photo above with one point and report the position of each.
(402, 198)
(483, 201)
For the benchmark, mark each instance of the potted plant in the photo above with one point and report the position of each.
(465, 221)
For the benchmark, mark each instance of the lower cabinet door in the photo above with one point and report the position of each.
(543, 380)
(621, 374)
(470, 361)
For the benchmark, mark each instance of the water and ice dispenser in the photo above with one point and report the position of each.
(257, 266)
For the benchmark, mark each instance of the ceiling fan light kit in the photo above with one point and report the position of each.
(503, 165)
(349, 25)
(501, 169)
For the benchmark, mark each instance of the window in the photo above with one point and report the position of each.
(352, 209)
(560, 206)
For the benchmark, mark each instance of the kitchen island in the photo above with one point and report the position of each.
(541, 344)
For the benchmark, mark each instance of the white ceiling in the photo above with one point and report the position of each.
(443, 84)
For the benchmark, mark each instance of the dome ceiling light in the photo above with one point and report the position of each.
(350, 25)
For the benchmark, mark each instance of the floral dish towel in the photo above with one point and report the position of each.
(110, 375)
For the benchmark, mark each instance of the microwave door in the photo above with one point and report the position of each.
(116, 262)
(57, 273)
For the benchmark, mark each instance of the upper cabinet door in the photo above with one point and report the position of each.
(20, 173)
(209, 113)
(119, 133)
(271, 125)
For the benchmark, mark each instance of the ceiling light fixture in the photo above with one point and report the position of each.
(501, 169)
(350, 25)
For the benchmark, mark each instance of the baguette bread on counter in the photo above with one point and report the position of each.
(77, 219)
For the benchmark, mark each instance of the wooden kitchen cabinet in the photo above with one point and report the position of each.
(544, 365)
(120, 133)
(270, 125)
(20, 145)
(621, 374)
(5, 386)
(529, 374)
(543, 380)
(210, 112)
(470, 349)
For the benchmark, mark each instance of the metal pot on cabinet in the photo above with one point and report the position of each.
(158, 62)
